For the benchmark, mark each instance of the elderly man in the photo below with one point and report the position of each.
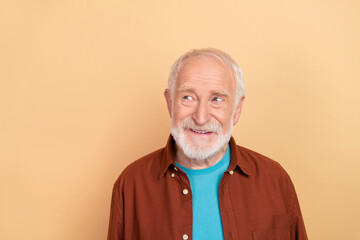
(202, 185)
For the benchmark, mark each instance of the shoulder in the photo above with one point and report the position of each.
(259, 164)
(144, 162)
(142, 168)
(267, 174)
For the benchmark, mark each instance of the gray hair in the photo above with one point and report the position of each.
(214, 53)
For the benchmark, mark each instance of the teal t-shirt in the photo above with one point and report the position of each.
(204, 185)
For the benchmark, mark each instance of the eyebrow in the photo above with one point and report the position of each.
(216, 92)
(184, 89)
(222, 93)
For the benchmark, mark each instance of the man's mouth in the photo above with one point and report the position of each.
(200, 131)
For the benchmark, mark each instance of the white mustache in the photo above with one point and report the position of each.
(212, 126)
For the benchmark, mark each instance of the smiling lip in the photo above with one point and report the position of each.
(201, 132)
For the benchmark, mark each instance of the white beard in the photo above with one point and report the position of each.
(201, 150)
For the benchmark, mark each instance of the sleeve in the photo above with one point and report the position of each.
(116, 222)
(297, 227)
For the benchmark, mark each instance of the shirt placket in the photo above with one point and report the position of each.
(226, 210)
(185, 206)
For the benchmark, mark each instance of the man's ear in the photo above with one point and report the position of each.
(238, 110)
(167, 96)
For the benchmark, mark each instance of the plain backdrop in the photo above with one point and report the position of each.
(81, 97)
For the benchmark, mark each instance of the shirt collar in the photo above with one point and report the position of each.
(167, 160)
(236, 157)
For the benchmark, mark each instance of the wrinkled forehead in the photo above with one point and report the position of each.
(204, 58)
(204, 66)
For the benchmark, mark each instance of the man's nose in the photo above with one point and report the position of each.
(201, 114)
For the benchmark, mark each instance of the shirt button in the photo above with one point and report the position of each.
(175, 168)
(173, 175)
(231, 172)
(185, 237)
(185, 191)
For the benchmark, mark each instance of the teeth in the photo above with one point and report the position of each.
(200, 131)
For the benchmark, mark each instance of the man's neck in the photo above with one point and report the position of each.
(191, 163)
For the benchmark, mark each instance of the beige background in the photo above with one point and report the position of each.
(81, 86)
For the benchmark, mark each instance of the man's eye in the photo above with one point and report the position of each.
(188, 98)
(216, 99)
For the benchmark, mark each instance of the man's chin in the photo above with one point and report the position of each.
(200, 144)
(198, 147)
(201, 141)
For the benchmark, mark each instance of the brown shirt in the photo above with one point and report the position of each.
(152, 199)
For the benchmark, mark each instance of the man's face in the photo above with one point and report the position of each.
(203, 106)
